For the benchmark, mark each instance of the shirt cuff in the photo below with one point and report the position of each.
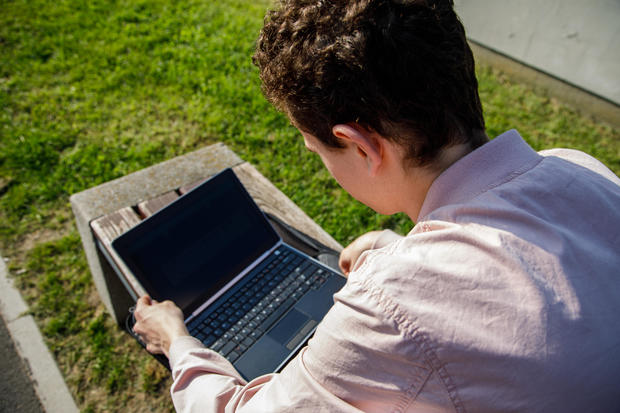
(180, 346)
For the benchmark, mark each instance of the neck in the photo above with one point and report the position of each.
(449, 156)
(422, 178)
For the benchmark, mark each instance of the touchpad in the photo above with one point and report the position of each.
(288, 326)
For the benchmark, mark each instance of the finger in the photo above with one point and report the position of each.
(153, 349)
(145, 300)
(142, 303)
(344, 265)
(347, 259)
(137, 328)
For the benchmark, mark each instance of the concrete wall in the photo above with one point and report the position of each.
(576, 41)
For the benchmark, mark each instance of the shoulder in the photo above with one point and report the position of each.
(414, 311)
(480, 300)
(582, 159)
(437, 257)
(402, 317)
(366, 353)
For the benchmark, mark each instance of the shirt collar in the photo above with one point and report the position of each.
(486, 167)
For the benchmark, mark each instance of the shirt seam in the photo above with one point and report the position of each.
(391, 310)
(414, 395)
(511, 176)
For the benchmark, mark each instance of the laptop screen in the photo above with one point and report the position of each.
(189, 250)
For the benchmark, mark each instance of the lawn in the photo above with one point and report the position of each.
(90, 91)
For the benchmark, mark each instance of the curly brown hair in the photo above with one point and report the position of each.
(401, 68)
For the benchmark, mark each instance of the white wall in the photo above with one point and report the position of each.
(576, 41)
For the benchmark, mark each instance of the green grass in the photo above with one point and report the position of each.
(90, 91)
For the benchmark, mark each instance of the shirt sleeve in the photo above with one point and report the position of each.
(204, 381)
(582, 159)
(358, 360)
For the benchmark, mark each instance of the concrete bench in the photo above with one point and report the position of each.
(106, 211)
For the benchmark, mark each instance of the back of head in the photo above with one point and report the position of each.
(402, 68)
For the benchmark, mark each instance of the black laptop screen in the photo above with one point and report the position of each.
(192, 248)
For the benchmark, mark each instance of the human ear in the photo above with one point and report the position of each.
(367, 146)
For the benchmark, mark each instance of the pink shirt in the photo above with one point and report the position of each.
(504, 297)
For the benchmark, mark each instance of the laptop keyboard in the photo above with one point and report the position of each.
(270, 291)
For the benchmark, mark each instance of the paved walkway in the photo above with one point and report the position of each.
(17, 390)
(30, 380)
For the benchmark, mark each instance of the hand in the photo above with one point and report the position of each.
(158, 324)
(368, 241)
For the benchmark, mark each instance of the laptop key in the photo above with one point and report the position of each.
(228, 347)
(318, 283)
(233, 356)
(259, 318)
(208, 341)
(256, 333)
(302, 267)
(240, 324)
(310, 270)
(218, 344)
(289, 290)
(233, 319)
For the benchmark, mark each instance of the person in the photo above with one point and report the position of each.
(506, 293)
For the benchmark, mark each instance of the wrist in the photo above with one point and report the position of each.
(175, 333)
(170, 339)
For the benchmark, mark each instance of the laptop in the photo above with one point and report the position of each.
(243, 291)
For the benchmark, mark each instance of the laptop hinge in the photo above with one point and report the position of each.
(232, 282)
